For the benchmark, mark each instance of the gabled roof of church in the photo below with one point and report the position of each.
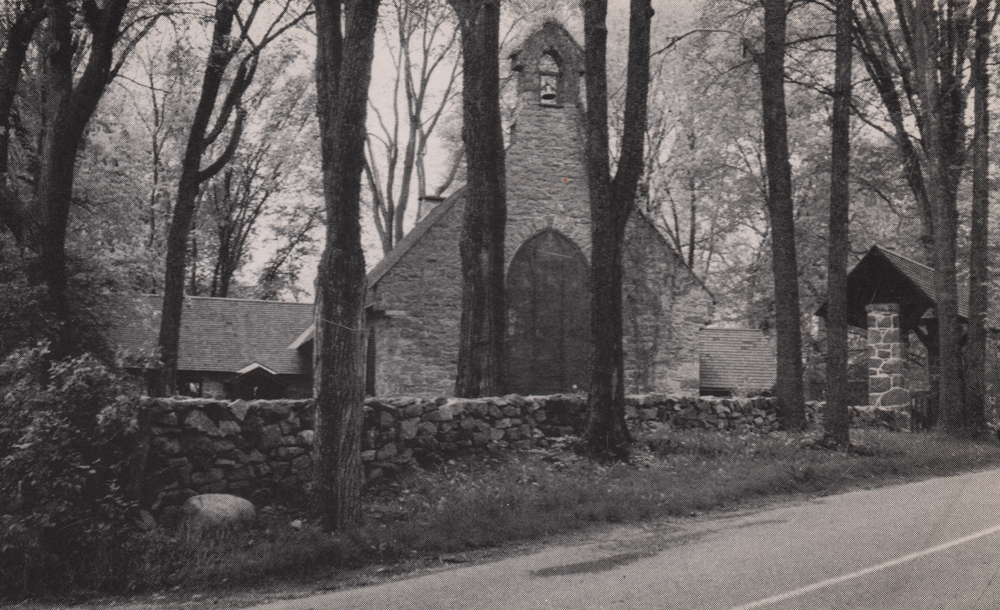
(411, 238)
(221, 335)
(735, 359)
(669, 246)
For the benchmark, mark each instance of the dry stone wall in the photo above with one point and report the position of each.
(261, 449)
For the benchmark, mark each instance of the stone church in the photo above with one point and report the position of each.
(415, 292)
(263, 349)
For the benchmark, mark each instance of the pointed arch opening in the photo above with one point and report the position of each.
(548, 316)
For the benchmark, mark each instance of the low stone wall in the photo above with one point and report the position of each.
(262, 449)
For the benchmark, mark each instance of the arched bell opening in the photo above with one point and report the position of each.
(548, 316)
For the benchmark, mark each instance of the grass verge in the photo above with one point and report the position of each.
(491, 499)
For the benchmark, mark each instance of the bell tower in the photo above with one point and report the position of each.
(546, 170)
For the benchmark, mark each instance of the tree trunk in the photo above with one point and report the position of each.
(940, 139)
(611, 202)
(836, 419)
(343, 72)
(979, 235)
(483, 323)
(780, 208)
(67, 111)
(192, 176)
(13, 213)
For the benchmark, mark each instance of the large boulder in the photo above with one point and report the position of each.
(209, 511)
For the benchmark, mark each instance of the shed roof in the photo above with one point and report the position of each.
(735, 359)
(222, 335)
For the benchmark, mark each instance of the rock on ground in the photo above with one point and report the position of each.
(217, 510)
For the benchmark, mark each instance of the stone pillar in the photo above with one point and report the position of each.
(886, 357)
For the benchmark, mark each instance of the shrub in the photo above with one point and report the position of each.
(66, 435)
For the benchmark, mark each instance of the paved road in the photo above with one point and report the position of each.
(934, 544)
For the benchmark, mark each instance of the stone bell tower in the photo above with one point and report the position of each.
(546, 171)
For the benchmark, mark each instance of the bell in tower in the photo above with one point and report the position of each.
(548, 74)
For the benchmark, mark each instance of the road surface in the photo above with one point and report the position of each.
(932, 544)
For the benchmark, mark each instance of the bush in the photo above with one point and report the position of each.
(67, 431)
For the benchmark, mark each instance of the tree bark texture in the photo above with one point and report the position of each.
(935, 85)
(221, 53)
(836, 419)
(67, 111)
(343, 72)
(979, 273)
(780, 208)
(611, 202)
(483, 325)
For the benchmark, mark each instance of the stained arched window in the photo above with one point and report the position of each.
(549, 74)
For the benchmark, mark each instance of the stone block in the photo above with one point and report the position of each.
(229, 428)
(480, 438)
(441, 414)
(879, 384)
(289, 441)
(496, 434)
(166, 446)
(239, 409)
(511, 411)
(386, 452)
(257, 457)
(270, 437)
(243, 473)
(503, 424)
(368, 456)
(413, 410)
(494, 412)
(301, 463)
(168, 418)
(306, 438)
(210, 476)
(467, 423)
(225, 463)
(290, 452)
(893, 398)
(428, 428)
(200, 421)
(386, 419)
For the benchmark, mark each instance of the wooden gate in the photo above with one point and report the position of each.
(548, 325)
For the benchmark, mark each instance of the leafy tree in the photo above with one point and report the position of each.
(483, 325)
(611, 202)
(225, 49)
(343, 73)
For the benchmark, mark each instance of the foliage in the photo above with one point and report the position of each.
(66, 435)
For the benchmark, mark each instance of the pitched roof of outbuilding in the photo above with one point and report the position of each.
(885, 276)
(222, 335)
(735, 359)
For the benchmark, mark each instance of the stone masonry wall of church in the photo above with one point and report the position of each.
(417, 344)
(664, 307)
(547, 177)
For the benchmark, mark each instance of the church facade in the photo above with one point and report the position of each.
(415, 292)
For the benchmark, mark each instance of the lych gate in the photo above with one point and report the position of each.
(891, 296)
